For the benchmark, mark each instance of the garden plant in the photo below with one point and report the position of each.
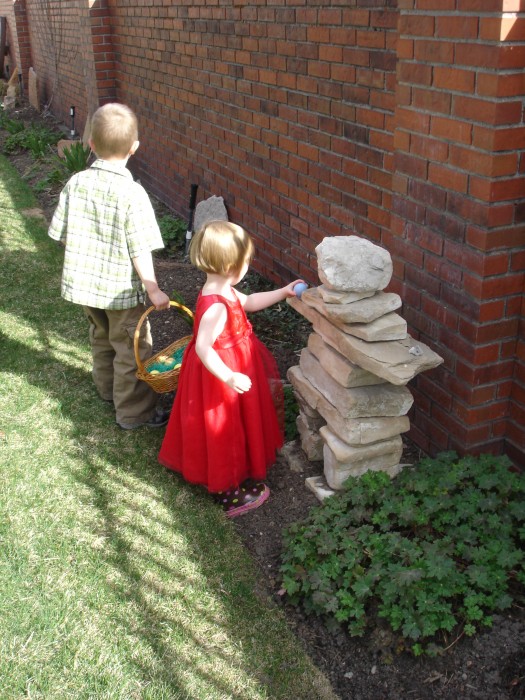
(434, 552)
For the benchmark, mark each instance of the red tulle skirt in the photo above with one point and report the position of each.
(215, 436)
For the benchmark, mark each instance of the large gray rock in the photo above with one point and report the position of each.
(360, 311)
(338, 367)
(354, 431)
(396, 361)
(353, 264)
(342, 460)
(211, 209)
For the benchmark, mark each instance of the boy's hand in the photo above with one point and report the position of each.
(239, 382)
(159, 300)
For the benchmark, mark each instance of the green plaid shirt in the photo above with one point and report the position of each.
(104, 219)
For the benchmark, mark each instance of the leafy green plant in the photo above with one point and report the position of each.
(291, 411)
(12, 126)
(173, 232)
(436, 551)
(36, 139)
(76, 158)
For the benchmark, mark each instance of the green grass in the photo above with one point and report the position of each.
(117, 579)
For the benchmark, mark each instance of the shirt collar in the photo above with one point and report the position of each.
(117, 168)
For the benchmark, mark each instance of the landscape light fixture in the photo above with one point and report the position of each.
(72, 115)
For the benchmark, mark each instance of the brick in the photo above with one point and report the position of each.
(457, 26)
(416, 25)
(451, 129)
(454, 79)
(482, 162)
(491, 288)
(447, 177)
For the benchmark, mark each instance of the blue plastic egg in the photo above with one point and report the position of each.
(299, 289)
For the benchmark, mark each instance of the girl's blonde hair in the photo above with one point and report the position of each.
(114, 130)
(221, 248)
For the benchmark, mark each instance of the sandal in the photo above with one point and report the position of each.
(248, 496)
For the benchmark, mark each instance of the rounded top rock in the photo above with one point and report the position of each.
(353, 264)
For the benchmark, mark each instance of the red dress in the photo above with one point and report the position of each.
(215, 436)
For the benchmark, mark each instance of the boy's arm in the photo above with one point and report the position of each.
(58, 227)
(261, 300)
(143, 264)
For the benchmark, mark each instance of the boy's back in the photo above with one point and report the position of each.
(109, 230)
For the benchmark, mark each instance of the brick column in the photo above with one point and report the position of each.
(104, 55)
(458, 218)
(23, 42)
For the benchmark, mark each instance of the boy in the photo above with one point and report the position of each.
(108, 227)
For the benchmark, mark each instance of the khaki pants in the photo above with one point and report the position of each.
(111, 336)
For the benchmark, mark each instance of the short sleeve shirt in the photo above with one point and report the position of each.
(104, 219)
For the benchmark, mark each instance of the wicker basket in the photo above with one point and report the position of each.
(164, 381)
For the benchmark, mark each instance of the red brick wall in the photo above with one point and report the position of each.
(397, 120)
(457, 218)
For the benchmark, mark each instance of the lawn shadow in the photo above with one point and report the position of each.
(208, 617)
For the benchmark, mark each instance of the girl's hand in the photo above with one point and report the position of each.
(239, 382)
(288, 290)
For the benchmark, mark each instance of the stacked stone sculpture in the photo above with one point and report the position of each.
(351, 380)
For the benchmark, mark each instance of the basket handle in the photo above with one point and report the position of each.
(140, 364)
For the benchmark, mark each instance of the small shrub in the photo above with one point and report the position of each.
(36, 139)
(173, 232)
(76, 158)
(291, 411)
(437, 550)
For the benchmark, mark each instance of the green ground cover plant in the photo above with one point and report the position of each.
(36, 139)
(434, 552)
(117, 579)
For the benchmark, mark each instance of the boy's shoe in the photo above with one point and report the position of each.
(249, 496)
(159, 419)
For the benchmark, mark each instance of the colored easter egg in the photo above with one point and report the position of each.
(299, 289)
(154, 371)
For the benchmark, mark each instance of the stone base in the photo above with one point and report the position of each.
(382, 456)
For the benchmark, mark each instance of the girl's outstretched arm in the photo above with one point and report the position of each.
(261, 300)
(211, 326)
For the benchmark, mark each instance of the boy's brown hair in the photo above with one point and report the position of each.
(114, 130)
(221, 248)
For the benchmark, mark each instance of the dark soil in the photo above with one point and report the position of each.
(489, 666)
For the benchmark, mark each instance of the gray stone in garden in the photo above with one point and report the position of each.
(360, 401)
(342, 370)
(33, 89)
(342, 460)
(361, 311)
(336, 473)
(354, 431)
(211, 209)
(391, 360)
(311, 440)
(332, 296)
(319, 487)
(353, 264)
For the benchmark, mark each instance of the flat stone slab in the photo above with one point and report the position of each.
(342, 370)
(396, 361)
(354, 431)
(361, 311)
(384, 457)
(333, 296)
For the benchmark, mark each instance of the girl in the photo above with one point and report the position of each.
(224, 428)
